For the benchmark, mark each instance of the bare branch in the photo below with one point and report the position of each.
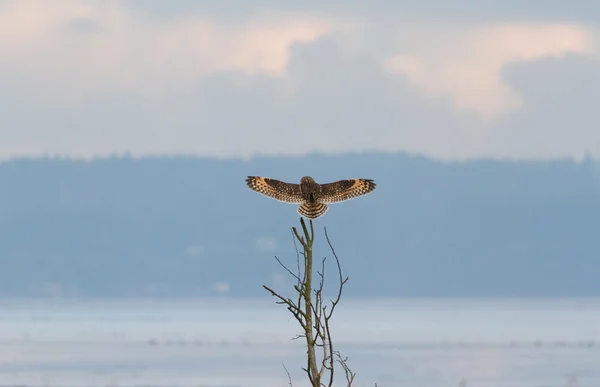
(297, 261)
(340, 275)
(309, 237)
(301, 282)
(288, 375)
(320, 322)
(297, 337)
(296, 311)
(286, 269)
(325, 355)
(348, 373)
(311, 311)
(300, 239)
(331, 360)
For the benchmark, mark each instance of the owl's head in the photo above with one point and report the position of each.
(307, 180)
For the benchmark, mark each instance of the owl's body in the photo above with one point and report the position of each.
(312, 197)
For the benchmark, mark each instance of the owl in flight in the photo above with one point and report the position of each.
(312, 197)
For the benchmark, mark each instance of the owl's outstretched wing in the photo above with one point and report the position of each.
(342, 190)
(278, 190)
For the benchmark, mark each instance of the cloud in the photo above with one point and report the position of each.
(266, 244)
(90, 79)
(72, 47)
(396, 12)
(194, 250)
(222, 287)
(559, 115)
(278, 280)
(467, 64)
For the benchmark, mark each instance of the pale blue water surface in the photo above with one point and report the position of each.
(233, 342)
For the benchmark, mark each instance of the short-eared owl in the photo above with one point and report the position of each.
(312, 197)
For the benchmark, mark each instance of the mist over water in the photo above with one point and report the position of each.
(243, 342)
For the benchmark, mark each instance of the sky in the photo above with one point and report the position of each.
(451, 80)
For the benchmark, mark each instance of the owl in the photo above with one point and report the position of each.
(312, 196)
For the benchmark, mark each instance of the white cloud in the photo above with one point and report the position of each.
(87, 79)
(467, 63)
(278, 280)
(194, 250)
(222, 287)
(266, 244)
(71, 47)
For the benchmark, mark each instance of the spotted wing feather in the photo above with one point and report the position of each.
(342, 190)
(278, 190)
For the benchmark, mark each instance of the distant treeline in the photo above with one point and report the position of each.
(190, 227)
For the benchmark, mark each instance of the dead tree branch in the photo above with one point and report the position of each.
(312, 312)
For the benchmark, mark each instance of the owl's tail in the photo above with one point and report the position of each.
(312, 210)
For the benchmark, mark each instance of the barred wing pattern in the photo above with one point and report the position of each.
(342, 190)
(278, 190)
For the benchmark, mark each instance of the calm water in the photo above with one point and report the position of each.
(425, 343)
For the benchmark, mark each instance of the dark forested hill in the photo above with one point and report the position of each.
(189, 226)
